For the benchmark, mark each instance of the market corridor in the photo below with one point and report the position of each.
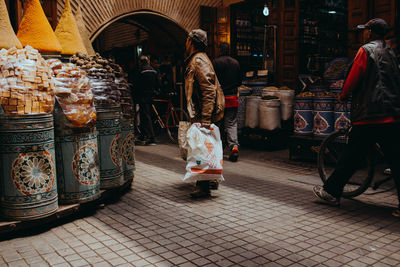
(263, 215)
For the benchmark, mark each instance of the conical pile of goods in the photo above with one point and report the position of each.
(68, 34)
(8, 39)
(73, 94)
(102, 79)
(35, 30)
(83, 32)
(26, 85)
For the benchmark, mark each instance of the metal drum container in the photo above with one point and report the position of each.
(270, 92)
(241, 117)
(256, 86)
(128, 148)
(342, 115)
(28, 183)
(323, 116)
(252, 111)
(303, 116)
(270, 114)
(286, 111)
(109, 141)
(78, 171)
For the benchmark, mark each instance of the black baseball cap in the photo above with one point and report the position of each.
(377, 26)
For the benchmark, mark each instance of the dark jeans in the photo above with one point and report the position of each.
(362, 138)
(230, 127)
(146, 125)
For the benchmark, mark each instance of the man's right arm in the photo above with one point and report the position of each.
(356, 74)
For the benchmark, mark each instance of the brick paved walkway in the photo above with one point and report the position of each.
(263, 215)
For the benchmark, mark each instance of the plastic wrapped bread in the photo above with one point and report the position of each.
(73, 94)
(26, 85)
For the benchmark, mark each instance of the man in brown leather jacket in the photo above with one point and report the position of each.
(205, 99)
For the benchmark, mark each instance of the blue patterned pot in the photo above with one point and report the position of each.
(323, 116)
(303, 116)
(78, 171)
(342, 115)
(28, 184)
(128, 148)
(109, 141)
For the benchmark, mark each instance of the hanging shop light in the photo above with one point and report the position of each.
(266, 10)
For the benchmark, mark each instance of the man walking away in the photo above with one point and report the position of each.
(228, 73)
(374, 86)
(205, 99)
(147, 84)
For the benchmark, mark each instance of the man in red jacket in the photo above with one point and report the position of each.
(228, 73)
(374, 86)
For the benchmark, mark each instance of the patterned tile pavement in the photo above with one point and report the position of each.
(263, 215)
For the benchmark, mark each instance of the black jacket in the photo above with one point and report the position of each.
(146, 84)
(228, 73)
(378, 94)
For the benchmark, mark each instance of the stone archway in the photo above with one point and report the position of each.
(98, 13)
(135, 13)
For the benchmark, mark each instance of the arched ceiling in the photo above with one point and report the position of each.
(140, 26)
(98, 14)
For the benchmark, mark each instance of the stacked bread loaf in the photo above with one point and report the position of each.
(26, 86)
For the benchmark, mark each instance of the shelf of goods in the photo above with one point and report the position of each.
(316, 115)
(265, 113)
(37, 150)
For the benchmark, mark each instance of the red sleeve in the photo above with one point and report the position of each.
(356, 74)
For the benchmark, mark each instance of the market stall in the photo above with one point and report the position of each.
(38, 146)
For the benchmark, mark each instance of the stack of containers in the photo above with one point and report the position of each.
(286, 97)
(270, 114)
(341, 110)
(323, 114)
(76, 136)
(303, 114)
(28, 180)
(107, 103)
(28, 185)
(244, 92)
(127, 124)
(253, 111)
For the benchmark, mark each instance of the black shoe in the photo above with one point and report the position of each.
(214, 185)
(140, 143)
(327, 198)
(150, 142)
(234, 155)
(198, 193)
